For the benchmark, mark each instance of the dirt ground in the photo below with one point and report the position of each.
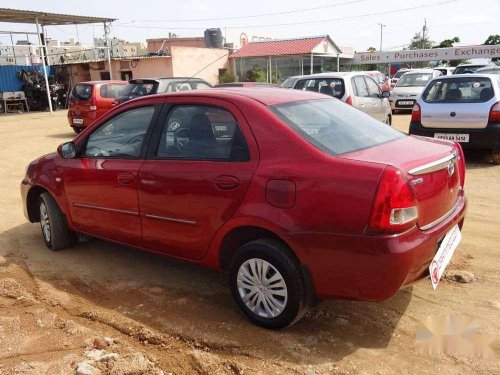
(109, 309)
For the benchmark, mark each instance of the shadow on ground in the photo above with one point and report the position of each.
(195, 303)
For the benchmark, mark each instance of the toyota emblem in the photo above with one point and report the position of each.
(451, 168)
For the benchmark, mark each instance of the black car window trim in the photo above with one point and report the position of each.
(161, 121)
(145, 142)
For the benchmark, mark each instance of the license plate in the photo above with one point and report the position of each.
(78, 121)
(405, 102)
(453, 137)
(444, 254)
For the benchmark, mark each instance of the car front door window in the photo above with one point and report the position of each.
(373, 89)
(361, 88)
(122, 136)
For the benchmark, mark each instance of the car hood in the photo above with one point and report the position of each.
(406, 91)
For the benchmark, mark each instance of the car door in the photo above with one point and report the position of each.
(195, 176)
(109, 94)
(376, 100)
(101, 183)
(363, 101)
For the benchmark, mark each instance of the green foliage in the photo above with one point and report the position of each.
(255, 75)
(447, 43)
(227, 77)
(418, 42)
(492, 40)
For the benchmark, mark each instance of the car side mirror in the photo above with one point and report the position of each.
(67, 150)
(386, 94)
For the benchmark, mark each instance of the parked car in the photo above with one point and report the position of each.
(489, 70)
(380, 78)
(354, 88)
(409, 86)
(246, 84)
(88, 101)
(470, 68)
(463, 109)
(445, 70)
(151, 86)
(395, 78)
(297, 195)
(290, 82)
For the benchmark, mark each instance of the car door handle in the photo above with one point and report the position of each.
(125, 178)
(227, 182)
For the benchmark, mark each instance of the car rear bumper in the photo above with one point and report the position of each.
(479, 139)
(396, 105)
(25, 187)
(372, 268)
(88, 119)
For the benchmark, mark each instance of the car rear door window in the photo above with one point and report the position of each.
(361, 89)
(111, 91)
(122, 136)
(459, 90)
(329, 86)
(200, 132)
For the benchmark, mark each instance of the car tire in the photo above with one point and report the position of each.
(53, 223)
(495, 158)
(77, 130)
(388, 120)
(276, 299)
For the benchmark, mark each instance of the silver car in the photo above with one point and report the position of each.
(409, 86)
(463, 108)
(354, 88)
(489, 70)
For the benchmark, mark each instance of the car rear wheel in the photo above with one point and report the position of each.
(267, 284)
(388, 120)
(53, 223)
(77, 130)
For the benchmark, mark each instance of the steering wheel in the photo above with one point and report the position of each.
(181, 137)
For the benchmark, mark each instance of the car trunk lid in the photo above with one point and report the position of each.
(455, 116)
(80, 100)
(431, 168)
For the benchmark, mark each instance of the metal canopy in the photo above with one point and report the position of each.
(47, 19)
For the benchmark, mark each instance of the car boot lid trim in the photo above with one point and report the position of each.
(433, 166)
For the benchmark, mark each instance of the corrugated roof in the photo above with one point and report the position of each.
(45, 18)
(128, 58)
(279, 47)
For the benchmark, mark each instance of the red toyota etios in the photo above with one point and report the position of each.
(296, 195)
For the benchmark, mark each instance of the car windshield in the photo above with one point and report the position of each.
(334, 127)
(140, 88)
(289, 82)
(399, 73)
(459, 90)
(467, 69)
(81, 92)
(414, 79)
(329, 86)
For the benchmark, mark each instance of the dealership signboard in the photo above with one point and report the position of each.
(452, 53)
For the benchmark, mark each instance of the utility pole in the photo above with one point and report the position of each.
(381, 29)
(424, 30)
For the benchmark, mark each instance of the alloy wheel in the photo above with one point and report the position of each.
(44, 222)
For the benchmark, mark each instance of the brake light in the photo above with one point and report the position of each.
(93, 105)
(349, 100)
(461, 162)
(495, 112)
(394, 208)
(416, 114)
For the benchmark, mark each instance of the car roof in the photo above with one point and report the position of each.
(334, 75)
(469, 75)
(267, 96)
(167, 78)
(100, 82)
(425, 70)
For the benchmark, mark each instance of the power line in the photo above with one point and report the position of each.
(258, 15)
(339, 19)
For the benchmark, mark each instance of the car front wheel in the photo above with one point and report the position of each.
(53, 223)
(267, 284)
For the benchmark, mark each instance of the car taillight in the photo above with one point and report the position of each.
(93, 105)
(349, 100)
(461, 162)
(495, 112)
(394, 208)
(416, 114)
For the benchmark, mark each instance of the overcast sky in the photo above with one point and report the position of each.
(349, 22)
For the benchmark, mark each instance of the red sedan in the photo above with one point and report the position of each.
(296, 195)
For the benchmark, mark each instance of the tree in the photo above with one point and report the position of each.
(371, 49)
(447, 43)
(419, 42)
(493, 40)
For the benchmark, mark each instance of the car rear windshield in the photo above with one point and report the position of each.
(414, 79)
(140, 88)
(333, 126)
(459, 90)
(467, 69)
(399, 73)
(329, 86)
(81, 92)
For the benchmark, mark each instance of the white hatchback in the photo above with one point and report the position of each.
(464, 108)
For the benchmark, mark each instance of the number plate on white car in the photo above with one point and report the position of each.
(78, 121)
(453, 137)
(405, 102)
(443, 256)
